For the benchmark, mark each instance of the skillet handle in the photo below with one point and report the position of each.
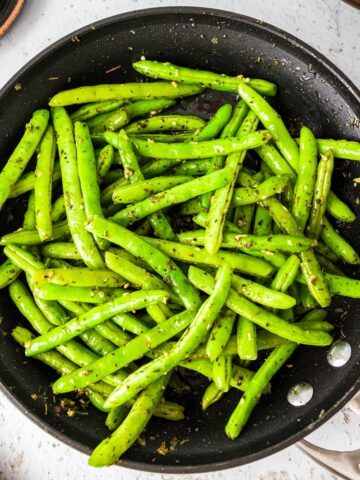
(344, 464)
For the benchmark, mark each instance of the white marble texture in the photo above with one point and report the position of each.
(332, 27)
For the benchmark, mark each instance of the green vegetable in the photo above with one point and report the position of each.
(22, 154)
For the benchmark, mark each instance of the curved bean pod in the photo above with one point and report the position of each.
(22, 154)
(113, 91)
(168, 71)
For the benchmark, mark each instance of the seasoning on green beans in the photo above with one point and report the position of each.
(23, 152)
(168, 71)
(109, 252)
(124, 91)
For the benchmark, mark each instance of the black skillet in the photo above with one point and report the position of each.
(311, 91)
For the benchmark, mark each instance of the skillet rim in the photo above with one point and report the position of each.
(285, 38)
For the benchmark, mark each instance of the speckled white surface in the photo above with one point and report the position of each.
(332, 27)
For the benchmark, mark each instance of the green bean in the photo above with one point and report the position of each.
(192, 168)
(260, 317)
(164, 137)
(305, 183)
(275, 161)
(338, 244)
(327, 265)
(189, 254)
(243, 217)
(306, 299)
(214, 126)
(160, 123)
(93, 109)
(133, 173)
(23, 152)
(240, 376)
(238, 115)
(65, 250)
(27, 181)
(318, 314)
(249, 243)
(106, 194)
(325, 251)
(169, 410)
(172, 196)
(265, 341)
(136, 275)
(338, 209)
(104, 161)
(43, 183)
(144, 228)
(88, 175)
(29, 221)
(113, 333)
(92, 338)
(168, 71)
(73, 350)
(315, 280)
(279, 166)
(346, 149)
(309, 265)
(72, 191)
(146, 188)
(158, 167)
(156, 314)
(262, 222)
(322, 188)
(192, 337)
(32, 237)
(267, 189)
(54, 359)
(220, 334)
(130, 323)
(125, 254)
(246, 339)
(50, 291)
(193, 150)
(193, 206)
(157, 260)
(257, 385)
(211, 395)
(116, 416)
(8, 273)
(78, 277)
(97, 400)
(261, 294)
(58, 209)
(122, 356)
(286, 275)
(221, 201)
(93, 317)
(340, 285)
(24, 260)
(122, 117)
(110, 449)
(222, 369)
(202, 220)
(272, 122)
(99, 93)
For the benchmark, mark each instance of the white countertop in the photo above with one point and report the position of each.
(332, 27)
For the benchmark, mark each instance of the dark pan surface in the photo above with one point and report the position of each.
(311, 91)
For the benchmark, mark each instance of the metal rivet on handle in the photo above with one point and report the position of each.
(339, 354)
(300, 394)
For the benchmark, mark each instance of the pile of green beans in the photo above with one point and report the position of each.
(152, 241)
